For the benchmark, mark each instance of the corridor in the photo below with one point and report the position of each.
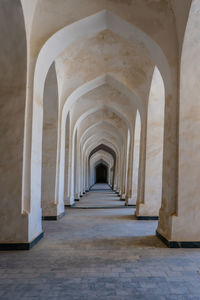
(99, 149)
(100, 254)
(101, 196)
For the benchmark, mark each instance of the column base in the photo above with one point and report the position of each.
(174, 244)
(21, 246)
(70, 201)
(147, 218)
(131, 200)
(122, 197)
(53, 218)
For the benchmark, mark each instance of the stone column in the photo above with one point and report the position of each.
(50, 209)
(149, 207)
(16, 230)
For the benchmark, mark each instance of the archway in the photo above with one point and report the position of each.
(101, 173)
(101, 156)
(43, 64)
(109, 150)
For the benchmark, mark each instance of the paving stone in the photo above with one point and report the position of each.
(102, 254)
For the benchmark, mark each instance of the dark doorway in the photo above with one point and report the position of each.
(101, 174)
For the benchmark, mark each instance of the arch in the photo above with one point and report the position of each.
(101, 161)
(103, 127)
(101, 156)
(97, 142)
(109, 150)
(88, 27)
(106, 78)
(105, 148)
(97, 109)
(94, 143)
(55, 45)
(97, 82)
(32, 174)
(102, 124)
(85, 88)
(91, 143)
(93, 128)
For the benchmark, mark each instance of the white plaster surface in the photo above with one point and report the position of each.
(104, 54)
(154, 149)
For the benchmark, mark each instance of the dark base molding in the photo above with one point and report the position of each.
(87, 191)
(121, 199)
(77, 199)
(130, 205)
(173, 244)
(147, 218)
(21, 246)
(53, 218)
(69, 205)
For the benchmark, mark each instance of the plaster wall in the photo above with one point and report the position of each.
(13, 217)
(29, 7)
(65, 175)
(154, 149)
(136, 158)
(184, 226)
(49, 149)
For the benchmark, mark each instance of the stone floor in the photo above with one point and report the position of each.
(100, 254)
(104, 197)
